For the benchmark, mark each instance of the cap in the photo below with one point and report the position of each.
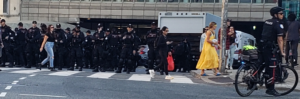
(88, 31)
(20, 24)
(68, 29)
(2, 20)
(130, 26)
(58, 25)
(16, 29)
(99, 25)
(228, 20)
(153, 23)
(77, 26)
(107, 30)
(34, 22)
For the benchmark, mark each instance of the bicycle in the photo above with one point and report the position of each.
(257, 76)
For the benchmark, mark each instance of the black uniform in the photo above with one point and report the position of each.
(67, 60)
(126, 53)
(112, 42)
(269, 47)
(20, 46)
(61, 42)
(76, 51)
(151, 38)
(8, 38)
(183, 56)
(88, 50)
(98, 40)
(32, 47)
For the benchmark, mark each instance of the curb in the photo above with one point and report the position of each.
(207, 80)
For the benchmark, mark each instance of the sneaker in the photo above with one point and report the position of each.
(169, 77)
(272, 92)
(151, 73)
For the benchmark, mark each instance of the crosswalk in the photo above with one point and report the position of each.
(178, 77)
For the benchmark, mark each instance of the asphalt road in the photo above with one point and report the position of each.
(42, 85)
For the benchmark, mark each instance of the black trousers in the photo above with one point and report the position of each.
(88, 58)
(125, 58)
(32, 54)
(184, 62)
(19, 55)
(97, 57)
(76, 56)
(8, 54)
(112, 58)
(266, 53)
(294, 46)
(163, 65)
(151, 57)
(61, 57)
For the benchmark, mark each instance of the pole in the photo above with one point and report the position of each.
(223, 37)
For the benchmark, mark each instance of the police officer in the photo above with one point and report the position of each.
(127, 49)
(76, 51)
(68, 35)
(32, 48)
(60, 41)
(8, 38)
(98, 39)
(111, 45)
(88, 50)
(20, 44)
(151, 36)
(271, 39)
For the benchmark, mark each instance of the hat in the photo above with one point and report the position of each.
(68, 29)
(34, 22)
(58, 25)
(77, 26)
(2, 20)
(88, 31)
(99, 25)
(153, 23)
(16, 29)
(107, 30)
(228, 20)
(20, 24)
(130, 26)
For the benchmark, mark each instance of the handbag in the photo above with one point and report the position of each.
(170, 63)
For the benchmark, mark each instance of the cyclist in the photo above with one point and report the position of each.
(272, 35)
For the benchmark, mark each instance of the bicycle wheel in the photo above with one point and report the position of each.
(244, 81)
(287, 80)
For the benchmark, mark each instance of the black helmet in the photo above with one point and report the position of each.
(275, 10)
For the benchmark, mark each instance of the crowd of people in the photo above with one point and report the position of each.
(104, 50)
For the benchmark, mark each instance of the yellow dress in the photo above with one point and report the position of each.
(209, 57)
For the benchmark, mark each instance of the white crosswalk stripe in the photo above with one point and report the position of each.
(28, 71)
(101, 75)
(178, 78)
(64, 73)
(140, 77)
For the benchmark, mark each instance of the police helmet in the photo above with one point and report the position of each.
(129, 26)
(153, 23)
(68, 29)
(16, 29)
(275, 10)
(88, 31)
(107, 30)
(58, 25)
(100, 25)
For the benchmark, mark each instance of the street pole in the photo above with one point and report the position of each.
(223, 37)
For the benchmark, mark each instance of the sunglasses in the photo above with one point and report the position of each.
(280, 13)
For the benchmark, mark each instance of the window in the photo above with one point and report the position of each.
(5, 6)
(270, 1)
(233, 1)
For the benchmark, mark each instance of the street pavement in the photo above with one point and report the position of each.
(20, 83)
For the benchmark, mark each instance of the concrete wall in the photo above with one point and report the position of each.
(13, 10)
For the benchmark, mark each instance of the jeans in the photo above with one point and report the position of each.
(230, 54)
(50, 54)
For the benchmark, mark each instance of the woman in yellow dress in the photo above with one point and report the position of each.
(209, 57)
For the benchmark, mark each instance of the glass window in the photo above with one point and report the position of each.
(96, 0)
(249, 1)
(233, 1)
(270, 1)
(208, 1)
(195, 1)
(5, 6)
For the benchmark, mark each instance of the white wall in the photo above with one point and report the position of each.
(13, 11)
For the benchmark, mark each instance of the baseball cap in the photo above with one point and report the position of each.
(77, 26)
(153, 23)
(99, 25)
(68, 29)
(130, 26)
(34, 22)
(20, 24)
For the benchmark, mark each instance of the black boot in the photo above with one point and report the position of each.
(53, 69)
(128, 71)
(96, 69)
(118, 70)
(102, 69)
(71, 68)
(27, 66)
(39, 66)
(80, 68)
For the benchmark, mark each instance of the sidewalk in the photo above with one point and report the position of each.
(226, 79)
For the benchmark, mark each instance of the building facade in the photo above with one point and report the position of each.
(72, 10)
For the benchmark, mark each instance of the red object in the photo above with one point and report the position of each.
(170, 63)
